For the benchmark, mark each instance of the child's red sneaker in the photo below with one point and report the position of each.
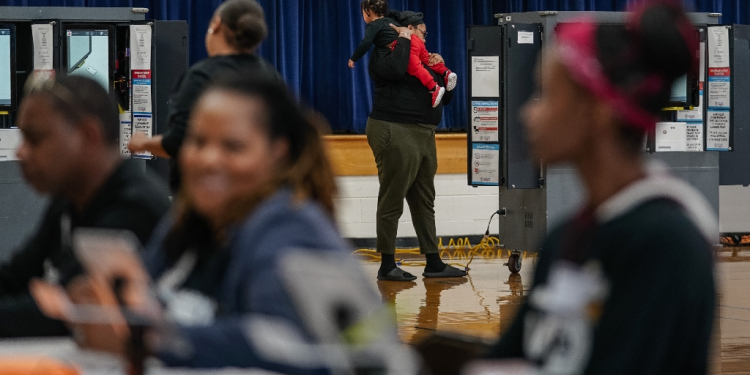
(437, 95)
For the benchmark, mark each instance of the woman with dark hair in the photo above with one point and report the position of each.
(235, 32)
(257, 187)
(626, 286)
(401, 133)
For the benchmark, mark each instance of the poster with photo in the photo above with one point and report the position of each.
(484, 121)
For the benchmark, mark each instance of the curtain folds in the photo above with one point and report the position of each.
(310, 41)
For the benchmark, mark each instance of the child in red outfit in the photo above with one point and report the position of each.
(420, 58)
(379, 33)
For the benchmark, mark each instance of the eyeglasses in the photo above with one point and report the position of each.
(424, 32)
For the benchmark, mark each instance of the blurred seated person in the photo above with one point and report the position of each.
(70, 151)
(256, 187)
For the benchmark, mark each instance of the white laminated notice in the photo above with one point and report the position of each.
(140, 47)
(484, 123)
(718, 47)
(485, 76)
(141, 92)
(525, 37)
(44, 48)
(671, 136)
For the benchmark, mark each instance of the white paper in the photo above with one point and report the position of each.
(718, 47)
(484, 123)
(671, 136)
(485, 164)
(485, 76)
(717, 133)
(694, 134)
(43, 39)
(126, 130)
(140, 47)
(525, 37)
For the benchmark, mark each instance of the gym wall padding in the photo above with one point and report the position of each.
(310, 41)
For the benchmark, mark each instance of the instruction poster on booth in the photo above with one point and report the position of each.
(485, 164)
(718, 119)
(44, 49)
(142, 98)
(485, 76)
(484, 121)
(126, 130)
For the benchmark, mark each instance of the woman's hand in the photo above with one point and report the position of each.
(435, 59)
(402, 31)
(138, 142)
(351, 63)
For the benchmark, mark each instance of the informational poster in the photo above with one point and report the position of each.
(694, 136)
(718, 47)
(717, 135)
(142, 98)
(485, 76)
(484, 121)
(718, 120)
(671, 136)
(126, 130)
(719, 82)
(485, 164)
(44, 49)
(693, 118)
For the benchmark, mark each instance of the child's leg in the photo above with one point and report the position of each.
(415, 67)
(439, 68)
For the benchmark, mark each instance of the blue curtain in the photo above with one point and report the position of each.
(310, 41)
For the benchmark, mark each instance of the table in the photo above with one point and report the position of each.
(96, 363)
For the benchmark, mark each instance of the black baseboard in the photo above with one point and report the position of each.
(410, 242)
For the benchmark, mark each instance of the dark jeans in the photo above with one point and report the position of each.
(407, 162)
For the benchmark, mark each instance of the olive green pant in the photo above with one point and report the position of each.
(407, 162)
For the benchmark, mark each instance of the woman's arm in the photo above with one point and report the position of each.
(392, 65)
(141, 142)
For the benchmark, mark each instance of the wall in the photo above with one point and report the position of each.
(734, 209)
(460, 210)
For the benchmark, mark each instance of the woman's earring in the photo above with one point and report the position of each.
(210, 30)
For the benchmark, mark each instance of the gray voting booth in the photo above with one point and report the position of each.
(94, 42)
(535, 197)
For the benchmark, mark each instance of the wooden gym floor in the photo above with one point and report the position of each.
(483, 304)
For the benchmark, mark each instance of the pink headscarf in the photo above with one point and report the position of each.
(577, 48)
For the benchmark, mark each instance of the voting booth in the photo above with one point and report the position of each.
(137, 60)
(700, 131)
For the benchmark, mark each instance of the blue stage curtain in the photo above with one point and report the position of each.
(310, 41)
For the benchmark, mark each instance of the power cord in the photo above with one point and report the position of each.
(487, 245)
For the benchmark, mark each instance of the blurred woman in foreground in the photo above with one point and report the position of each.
(257, 186)
(626, 286)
